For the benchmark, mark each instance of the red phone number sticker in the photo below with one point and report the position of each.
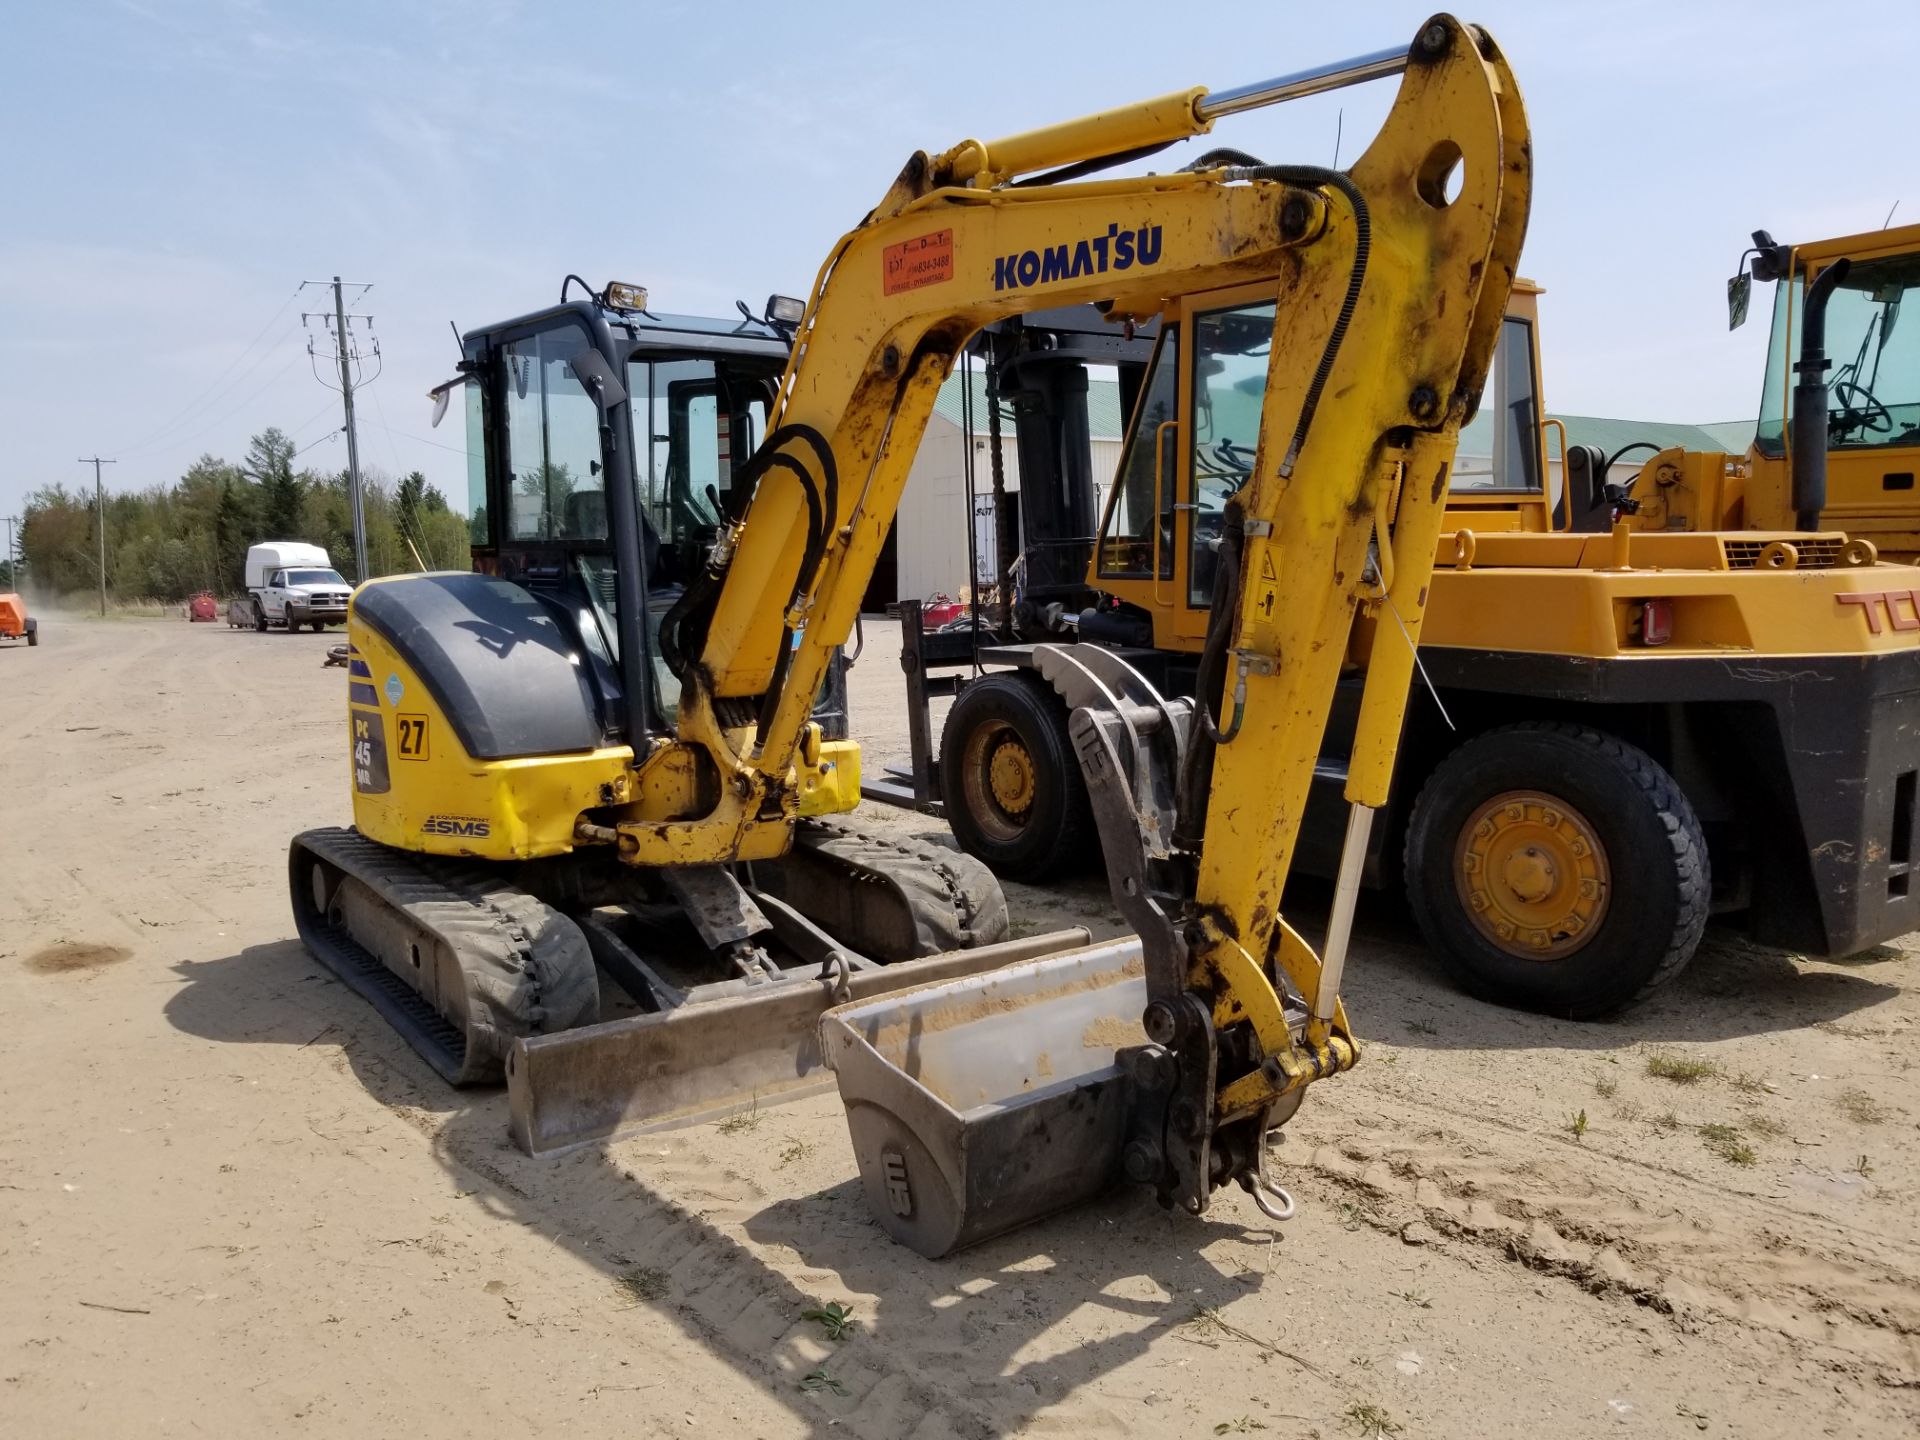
(924, 260)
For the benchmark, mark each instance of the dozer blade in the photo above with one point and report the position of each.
(700, 1061)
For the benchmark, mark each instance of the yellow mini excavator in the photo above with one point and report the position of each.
(590, 781)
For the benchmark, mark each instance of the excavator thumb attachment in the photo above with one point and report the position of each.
(701, 1061)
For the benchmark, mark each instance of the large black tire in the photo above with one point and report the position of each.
(318, 626)
(1542, 819)
(1036, 823)
(259, 617)
(33, 636)
(294, 619)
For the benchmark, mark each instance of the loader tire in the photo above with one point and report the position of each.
(1555, 868)
(1012, 785)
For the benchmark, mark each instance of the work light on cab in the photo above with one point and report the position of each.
(622, 296)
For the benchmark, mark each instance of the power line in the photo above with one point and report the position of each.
(181, 415)
(172, 445)
(333, 434)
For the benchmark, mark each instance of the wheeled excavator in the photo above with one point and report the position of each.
(593, 780)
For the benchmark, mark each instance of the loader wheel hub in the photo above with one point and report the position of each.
(1000, 779)
(1532, 874)
(1011, 774)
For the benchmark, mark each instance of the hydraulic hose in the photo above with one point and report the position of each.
(1196, 775)
(1314, 176)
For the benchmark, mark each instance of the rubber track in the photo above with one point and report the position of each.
(526, 967)
(953, 900)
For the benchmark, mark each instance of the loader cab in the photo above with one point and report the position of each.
(1873, 391)
(1190, 447)
(602, 446)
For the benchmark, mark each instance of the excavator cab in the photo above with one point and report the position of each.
(587, 413)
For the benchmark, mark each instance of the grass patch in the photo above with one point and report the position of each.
(1666, 1122)
(1628, 1109)
(1861, 1108)
(1766, 1127)
(1747, 1084)
(796, 1150)
(1680, 1069)
(1605, 1086)
(645, 1283)
(1422, 1027)
(1577, 1124)
(1371, 1421)
(822, 1379)
(747, 1120)
(1414, 1298)
(1726, 1142)
(1863, 1167)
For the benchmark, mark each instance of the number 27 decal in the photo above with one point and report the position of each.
(413, 736)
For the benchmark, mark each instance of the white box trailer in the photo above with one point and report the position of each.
(292, 583)
(272, 555)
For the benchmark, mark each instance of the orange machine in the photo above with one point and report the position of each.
(15, 623)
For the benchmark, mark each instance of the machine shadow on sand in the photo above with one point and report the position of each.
(974, 1323)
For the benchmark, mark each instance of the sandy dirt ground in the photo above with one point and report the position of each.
(232, 1203)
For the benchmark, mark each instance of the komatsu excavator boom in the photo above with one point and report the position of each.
(1382, 289)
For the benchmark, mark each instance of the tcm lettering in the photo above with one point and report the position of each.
(1872, 602)
(1118, 249)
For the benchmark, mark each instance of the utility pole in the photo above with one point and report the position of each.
(348, 358)
(353, 441)
(100, 519)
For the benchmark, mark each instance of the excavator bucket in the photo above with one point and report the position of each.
(701, 1061)
(954, 1146)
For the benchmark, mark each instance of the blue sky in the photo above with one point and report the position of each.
(174, 168)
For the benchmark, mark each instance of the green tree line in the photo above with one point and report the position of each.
(170, 540)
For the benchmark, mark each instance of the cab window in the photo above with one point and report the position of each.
(1873, 390)
(1127, 532)
(694, 423)
(1230, 350)
(557, 490)
(1500, 449)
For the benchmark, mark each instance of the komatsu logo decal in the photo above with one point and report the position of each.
(1117, 249)
(463, 825)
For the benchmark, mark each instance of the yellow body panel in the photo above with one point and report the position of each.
(415, 788)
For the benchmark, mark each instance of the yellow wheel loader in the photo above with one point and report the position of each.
(1837, 444)
(588, 779)
(1615, 733)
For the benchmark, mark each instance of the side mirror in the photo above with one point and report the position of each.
(1739, 294)
(591, 370)
(440, 395)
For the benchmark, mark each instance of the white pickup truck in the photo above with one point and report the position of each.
(292, 584)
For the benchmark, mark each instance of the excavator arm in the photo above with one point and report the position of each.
(1388, 283)
(1368, 268)
(1382, 288)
